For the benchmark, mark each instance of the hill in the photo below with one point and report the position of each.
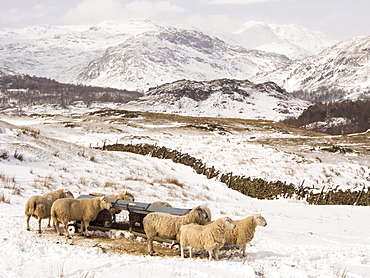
(221, 98)
(337, 73)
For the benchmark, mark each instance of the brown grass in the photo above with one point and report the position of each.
(3, 198)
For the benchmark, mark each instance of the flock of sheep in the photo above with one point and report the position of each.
(194, 230)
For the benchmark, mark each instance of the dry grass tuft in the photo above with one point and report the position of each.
(3, 198)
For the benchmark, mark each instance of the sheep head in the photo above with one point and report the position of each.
(67, 193)
(127, 196)
(203, 215)
(229, 223)
(105, 203)
(260, 220)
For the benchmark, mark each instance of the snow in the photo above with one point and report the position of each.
(300, 240)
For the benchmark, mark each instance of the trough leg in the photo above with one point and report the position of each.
(131, 220)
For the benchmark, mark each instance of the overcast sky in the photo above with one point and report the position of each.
(338, 19)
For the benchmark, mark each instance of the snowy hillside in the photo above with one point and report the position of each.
(344, 66)
(45, 153)
(293, 41)
(155, 58)
(221, 98)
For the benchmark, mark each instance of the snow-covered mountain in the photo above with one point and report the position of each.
(5, 72)
(140, 54)
(157, 57)
(222, 97)
(344, 68)
(294, 41)
(60, 52)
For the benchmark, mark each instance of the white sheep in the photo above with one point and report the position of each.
(244, 232)
(84, 210)
(167, 226)
(40, 206)
(125, 195)
(210, 237)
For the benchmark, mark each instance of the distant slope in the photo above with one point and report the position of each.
(293, 41)
(341, 71)
(221, 98)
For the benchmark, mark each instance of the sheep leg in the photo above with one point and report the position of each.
(49, 226)
(190, 252)
(210, 255)
(216, 254)
(82, 228)
(57, 228)
(150, 246)
(182, 251)
(39, 219)
(85, 225)
(66, 229)
(244, 246)
(28, 222)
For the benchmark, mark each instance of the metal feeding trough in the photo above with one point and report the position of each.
(137, 211)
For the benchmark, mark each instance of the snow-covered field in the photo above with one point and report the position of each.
(300, 240)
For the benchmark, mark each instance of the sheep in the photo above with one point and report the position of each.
(244, 232)
(135, 217)
(160, 203)
(210, 237)
(125, 195)
(84, 210)
(167, 226)
(40, 206)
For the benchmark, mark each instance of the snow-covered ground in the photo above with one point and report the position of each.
(300, 240)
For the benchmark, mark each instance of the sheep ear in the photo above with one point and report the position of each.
(125, 192)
